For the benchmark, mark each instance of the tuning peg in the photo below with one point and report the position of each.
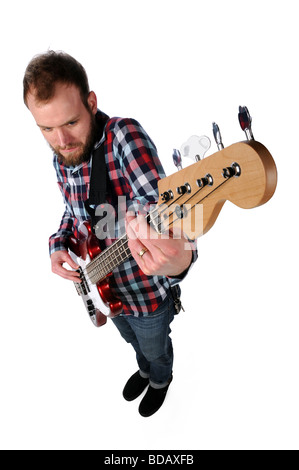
(245, 121)
(196, 147)
(177, 159)
(217, 136)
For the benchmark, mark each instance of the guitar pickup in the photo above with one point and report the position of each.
(90, 307)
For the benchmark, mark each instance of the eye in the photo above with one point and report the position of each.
(72, 123)
(47, 129)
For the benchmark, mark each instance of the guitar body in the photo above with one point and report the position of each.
(98, 299)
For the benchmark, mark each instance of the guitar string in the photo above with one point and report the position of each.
(113, 250)
(206, 196)
(110, 248)
(106, 253)
(112, 253)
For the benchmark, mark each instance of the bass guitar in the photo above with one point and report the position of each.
(191, 199)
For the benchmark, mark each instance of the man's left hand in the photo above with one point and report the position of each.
(162, 255)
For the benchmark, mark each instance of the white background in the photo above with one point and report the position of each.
(176, 67)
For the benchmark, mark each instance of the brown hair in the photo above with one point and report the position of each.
(46, 70)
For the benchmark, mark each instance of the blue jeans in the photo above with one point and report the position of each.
(150, 339)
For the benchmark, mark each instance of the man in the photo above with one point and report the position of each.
(56, 91)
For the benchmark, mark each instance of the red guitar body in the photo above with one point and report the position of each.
(98, 298)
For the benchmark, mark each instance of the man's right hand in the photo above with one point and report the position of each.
(58, 258)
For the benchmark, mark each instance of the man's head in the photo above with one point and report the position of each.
(56, 91)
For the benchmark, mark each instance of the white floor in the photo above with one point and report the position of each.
(235, 377)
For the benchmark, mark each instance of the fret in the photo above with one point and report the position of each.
(111, 258)
(108, 260)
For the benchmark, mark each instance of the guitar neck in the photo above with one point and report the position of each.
(116, 254)
(108, 260)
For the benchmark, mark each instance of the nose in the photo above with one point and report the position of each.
(63, 137)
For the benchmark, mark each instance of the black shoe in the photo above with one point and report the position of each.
(153, 400)
(135, 386)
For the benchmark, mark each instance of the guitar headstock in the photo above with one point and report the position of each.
(243, 173)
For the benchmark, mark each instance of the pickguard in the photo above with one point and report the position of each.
(89, 293)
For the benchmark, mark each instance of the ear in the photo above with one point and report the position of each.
(92, 102)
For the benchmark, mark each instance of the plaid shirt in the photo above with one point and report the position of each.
(134, 170)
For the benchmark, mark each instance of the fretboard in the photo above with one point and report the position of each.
(108, 260)
(117, 253)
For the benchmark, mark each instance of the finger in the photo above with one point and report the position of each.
(145, 236)
(70, 275)
(132, 224)
(131, 233)
(139, 250)
(130, 216)
(57, 268)
(139, 230)
(160, 244)
(135, 245)
(66, 274)
(140, 240)
(141, 237)
(145, 261)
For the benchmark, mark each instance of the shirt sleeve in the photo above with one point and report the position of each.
(58, 240)
(139, 161)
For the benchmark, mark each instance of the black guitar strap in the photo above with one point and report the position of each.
(98, 181)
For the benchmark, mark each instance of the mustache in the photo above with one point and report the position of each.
(70, 146)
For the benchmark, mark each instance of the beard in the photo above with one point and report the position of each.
(84, 150)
